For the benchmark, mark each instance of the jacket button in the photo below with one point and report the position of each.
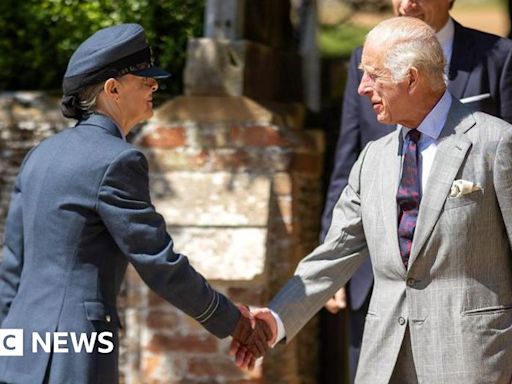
(401, 320)
(411, 282)
(108, 318)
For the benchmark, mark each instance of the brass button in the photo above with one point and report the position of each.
(401, 320)
(108, 318)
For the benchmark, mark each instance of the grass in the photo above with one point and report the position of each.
(339, 40)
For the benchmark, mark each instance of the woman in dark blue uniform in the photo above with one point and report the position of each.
(81, 211)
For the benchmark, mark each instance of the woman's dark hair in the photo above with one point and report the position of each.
(77, 106)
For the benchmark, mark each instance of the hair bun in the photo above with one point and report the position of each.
(70, 107)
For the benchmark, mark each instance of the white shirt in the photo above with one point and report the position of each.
(445, 38)
(430, 129)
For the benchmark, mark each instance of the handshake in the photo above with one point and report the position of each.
(254, 334)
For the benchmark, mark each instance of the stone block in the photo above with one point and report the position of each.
(241, 68)
(209, 135)
(228, 254)
(211, 199)
(167, 160)
(261, 136)
(213, 110)
(262, 160)
(164, 137)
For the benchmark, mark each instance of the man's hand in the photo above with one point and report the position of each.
(266, 315)
(250, 339)
(262, 338)
(338, 302)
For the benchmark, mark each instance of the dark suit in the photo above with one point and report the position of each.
(480, 64)
(80, 212)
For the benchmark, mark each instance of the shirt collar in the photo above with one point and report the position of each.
(445, 38)
(433, 123)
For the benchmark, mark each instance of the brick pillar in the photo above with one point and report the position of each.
(240, 191)
(237, 178)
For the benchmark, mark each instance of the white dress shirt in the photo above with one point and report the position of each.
(445, 38)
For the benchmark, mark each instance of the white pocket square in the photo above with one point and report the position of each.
(463, 187)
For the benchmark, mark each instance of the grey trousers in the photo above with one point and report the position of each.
(405, 372)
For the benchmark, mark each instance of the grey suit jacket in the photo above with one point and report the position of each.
(456, 296)
(80, 211)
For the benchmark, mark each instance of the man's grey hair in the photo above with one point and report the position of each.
(409, 42)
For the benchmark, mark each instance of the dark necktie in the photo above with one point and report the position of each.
(408, 196)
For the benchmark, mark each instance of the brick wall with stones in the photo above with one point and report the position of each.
(239, 186)
(26, 118)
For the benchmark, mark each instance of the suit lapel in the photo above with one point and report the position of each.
(461, 61)
(390, 178)
(450, 155)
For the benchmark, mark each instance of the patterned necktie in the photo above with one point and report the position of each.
(408, 196)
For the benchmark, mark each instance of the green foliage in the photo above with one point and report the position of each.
(339, 40)
(37, 37)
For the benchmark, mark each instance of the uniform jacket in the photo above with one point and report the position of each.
(80, 212)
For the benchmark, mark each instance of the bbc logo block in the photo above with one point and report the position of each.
(11, 342)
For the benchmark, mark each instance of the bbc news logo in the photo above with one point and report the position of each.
(11, 342)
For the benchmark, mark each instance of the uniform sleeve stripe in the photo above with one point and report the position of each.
(212, 307)
(217, 302)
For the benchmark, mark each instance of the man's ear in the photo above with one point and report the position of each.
(414, 79)
(110, 87)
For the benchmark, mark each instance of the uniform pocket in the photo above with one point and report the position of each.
(98, 311)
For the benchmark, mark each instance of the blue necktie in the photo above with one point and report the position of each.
(408, 196)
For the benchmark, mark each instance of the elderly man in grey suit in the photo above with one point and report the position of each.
(479, 71)
(431, 204)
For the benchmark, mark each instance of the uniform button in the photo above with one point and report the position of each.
(108, 318)
(401, 320)
(410, 282)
